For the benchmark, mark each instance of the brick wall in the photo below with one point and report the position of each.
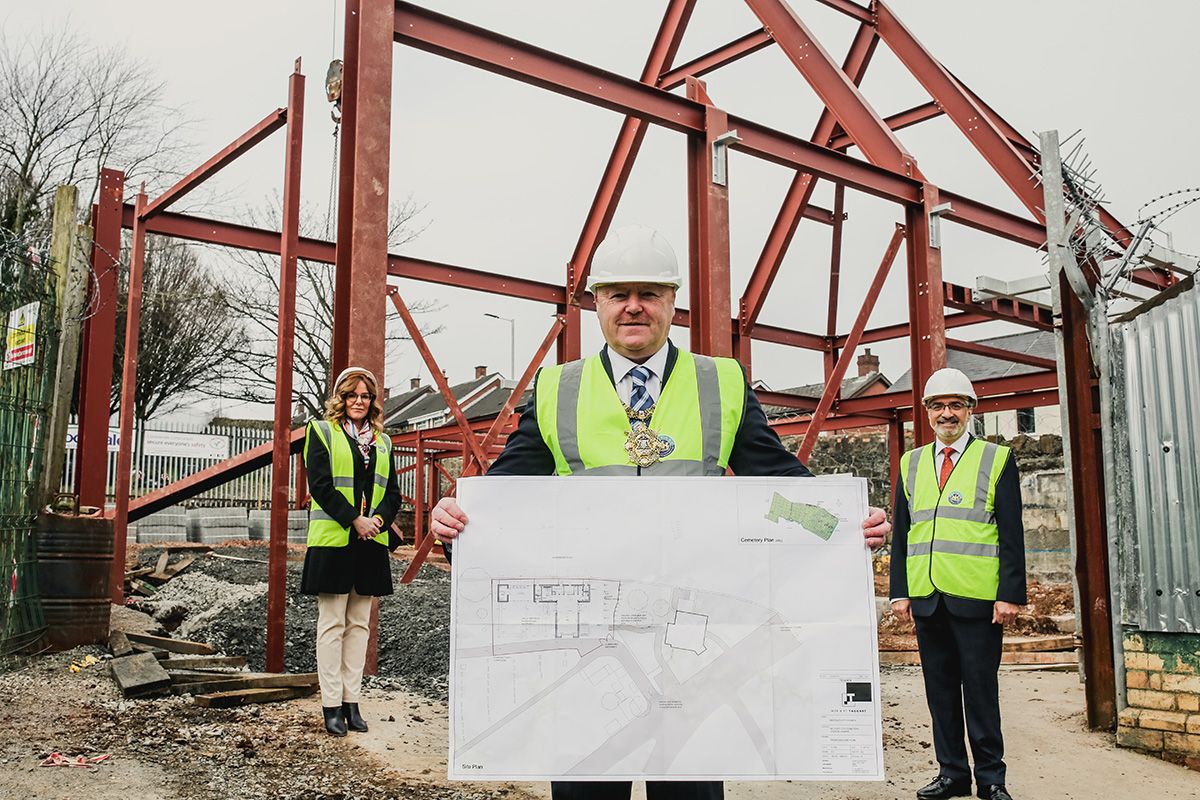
(1162, 678)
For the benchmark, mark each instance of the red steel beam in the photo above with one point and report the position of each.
(1001, 308)
(715, 59)
(261, 130)
(974, 214)
(99, 339)
(851, 9)
(785, 400)
(369, 196)
(210, 477)
(799, 193)
(620, 164)
(1001, 354)
(133, 321)
(1013, 401)
(901, 330)
(340, 345)
(974, 122)
(895, 122)
(835, 88)
(284, 364)
(458, 41)
(708, 235)
(473, 467)
(833, 384)
(439, 379)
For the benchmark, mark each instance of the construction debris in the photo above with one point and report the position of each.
(139, 674)
(173, 645)
(242, 697)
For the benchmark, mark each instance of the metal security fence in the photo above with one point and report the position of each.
(1154, 462)
(166, 452)
(28, 313)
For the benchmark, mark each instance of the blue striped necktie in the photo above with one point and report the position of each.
(639, 397)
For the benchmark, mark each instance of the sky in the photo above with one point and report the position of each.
(505, 172)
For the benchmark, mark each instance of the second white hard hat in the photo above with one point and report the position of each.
(634, 254)
(949, 381)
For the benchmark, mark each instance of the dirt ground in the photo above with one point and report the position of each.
(171, 749)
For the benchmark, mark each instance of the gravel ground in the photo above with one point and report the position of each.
(223, 601)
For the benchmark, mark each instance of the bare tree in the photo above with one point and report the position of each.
(188, 336)
(68, 108)
(254, 297)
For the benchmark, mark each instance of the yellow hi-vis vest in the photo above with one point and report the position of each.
(324, 530)
(953, 541)
(584, 423)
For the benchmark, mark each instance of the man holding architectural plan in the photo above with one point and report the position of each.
(641, 407)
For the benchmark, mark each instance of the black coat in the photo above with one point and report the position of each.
(757, 450)
(1007, 504)
(363, 566)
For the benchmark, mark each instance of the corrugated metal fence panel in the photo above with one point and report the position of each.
(1161, 352)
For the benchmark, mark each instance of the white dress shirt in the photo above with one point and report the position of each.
(960, 445)
(621, 365)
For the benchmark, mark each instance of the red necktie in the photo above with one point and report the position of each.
(947, 466)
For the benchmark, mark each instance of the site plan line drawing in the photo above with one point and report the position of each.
(699, 629)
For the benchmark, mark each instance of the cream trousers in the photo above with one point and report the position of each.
(343, 622)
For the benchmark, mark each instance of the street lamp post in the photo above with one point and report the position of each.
(512, 343)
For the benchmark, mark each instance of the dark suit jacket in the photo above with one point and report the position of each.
(757, 450)
(1012, 552)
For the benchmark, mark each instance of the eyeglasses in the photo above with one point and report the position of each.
(955, 406)
(351, 397)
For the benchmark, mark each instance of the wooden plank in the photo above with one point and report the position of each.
(118, 644)
(138, 647)
(139, 674)
(1055, 658)
(179, 566)
(138, 573)
(163, 559)
(204, 661)
(247, 696)
(142, 587)
(1039, 644)
(174, 645)
(236, 682)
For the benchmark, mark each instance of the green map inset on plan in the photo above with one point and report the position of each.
(813, 519)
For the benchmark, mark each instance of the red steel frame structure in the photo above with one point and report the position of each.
(362, 263)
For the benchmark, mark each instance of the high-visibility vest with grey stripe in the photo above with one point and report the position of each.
(583, 421)
(324, 530)
(953, 541)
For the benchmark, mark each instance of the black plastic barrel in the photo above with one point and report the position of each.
(74, 578)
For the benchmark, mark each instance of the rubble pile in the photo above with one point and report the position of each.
(222, 600)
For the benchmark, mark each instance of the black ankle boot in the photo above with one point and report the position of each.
(335, 722)
(354, 720)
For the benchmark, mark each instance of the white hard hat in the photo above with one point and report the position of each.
(634, 254)
(949, 381)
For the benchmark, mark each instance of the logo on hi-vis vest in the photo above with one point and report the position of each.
(669, 442)
(955, 498)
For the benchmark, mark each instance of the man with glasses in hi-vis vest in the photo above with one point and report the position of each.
(958, 569)
(641, 406)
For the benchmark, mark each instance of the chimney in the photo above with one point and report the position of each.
(867, 363)
(480, 371)
(386, 394)
(414, 383)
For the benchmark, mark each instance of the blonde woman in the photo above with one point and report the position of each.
(355, 496)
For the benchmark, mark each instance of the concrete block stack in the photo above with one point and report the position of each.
(162, 527)
(1162, 679)
(217, 525)
(260, 525)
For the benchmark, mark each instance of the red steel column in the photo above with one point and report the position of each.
(284, 361)
(1081, 395)
(345, 213)
(927, 334)
(835, 273)
(708, 236)
(133, 319)
(895, 445)
(99, 336)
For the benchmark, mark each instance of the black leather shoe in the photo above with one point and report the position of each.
(335, 723)
(943, 787)
(354, 720)
(994, 792)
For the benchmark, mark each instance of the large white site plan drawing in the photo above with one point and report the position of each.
(663, 628)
